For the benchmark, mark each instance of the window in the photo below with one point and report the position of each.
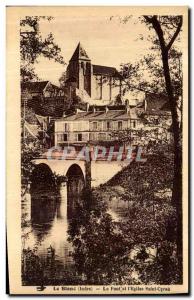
(133, 123)
(60, 137)
(120, 125)
(108, 125)
(99, 125)
(108, 137)
(79, 137)
(93, 136)
(83, 66)
(98, 87)
(65, 127)
(102, 136)
(94, 125)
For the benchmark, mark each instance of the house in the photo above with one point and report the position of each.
(96, 84)
(147, 121)
(158, 116)
(44, 97)
(40, 89)
(96, 125)
(37, 128)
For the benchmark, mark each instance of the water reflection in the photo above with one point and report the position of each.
(74, 196)
(49, 225)
(43, 210)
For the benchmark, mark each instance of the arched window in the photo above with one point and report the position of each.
(83, 66)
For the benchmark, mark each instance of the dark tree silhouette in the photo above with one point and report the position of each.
(33, 45)
(167, 77)
(161, 25)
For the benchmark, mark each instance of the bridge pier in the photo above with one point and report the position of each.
(88, 175)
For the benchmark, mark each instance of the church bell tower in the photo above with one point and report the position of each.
(80, 69)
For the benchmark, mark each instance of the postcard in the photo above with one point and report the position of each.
(97, 150)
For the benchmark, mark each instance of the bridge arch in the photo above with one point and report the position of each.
(42, 178)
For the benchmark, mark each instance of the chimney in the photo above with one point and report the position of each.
(145, 104)
(49, 119)
(127, 107)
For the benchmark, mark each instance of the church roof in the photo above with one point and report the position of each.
(79, 53)
(103, 70)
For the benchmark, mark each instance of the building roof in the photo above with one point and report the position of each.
(34, 87)
(103, 107)
(101, 115)
(57, 87)
(79, 53)
(32, 129)
(103, 70)
(158, 112)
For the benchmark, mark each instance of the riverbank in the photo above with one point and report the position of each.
(139, 201)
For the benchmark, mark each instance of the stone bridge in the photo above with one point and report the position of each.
(97, 172)
(76, 175)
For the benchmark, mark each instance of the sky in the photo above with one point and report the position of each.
(107, 42)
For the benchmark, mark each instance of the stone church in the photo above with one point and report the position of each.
(95, 84)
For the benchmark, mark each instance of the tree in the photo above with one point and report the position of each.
(62, 79)
(167, 77)
(149, 219)
(30, 148)
(33, 45)
(165, 39)
(103, 255)
(100, 254)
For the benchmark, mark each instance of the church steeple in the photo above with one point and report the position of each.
(79, 54)
(80, 68)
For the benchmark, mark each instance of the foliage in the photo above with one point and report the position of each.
(153, 140)
(100, 254)
(118, 100)
(33, 268)
(167, 30)
(150, 219)
(30, 149)
(39, 271)
(74, 104)
(62, 79)
(147, 74)
(33, 45)
(154, 81)
(102, 245)
(164, 269)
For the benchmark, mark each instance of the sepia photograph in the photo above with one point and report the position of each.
(97, 150)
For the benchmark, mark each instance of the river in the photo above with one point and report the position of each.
(46, 226)
(45, 232)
